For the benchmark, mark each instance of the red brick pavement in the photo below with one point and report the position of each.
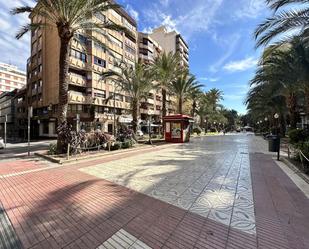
(65, 208)
(17, 166)
(281, 209)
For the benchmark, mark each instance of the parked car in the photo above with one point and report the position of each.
(1, 143)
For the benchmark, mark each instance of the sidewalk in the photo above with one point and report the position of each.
(116, 202)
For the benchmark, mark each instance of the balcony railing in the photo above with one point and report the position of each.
(78, 80)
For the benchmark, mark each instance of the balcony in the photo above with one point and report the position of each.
(78, 80)
(146, 57)
(77, 97)
(149, 46)
(76, 63)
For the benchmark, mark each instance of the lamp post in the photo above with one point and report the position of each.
(276, 116)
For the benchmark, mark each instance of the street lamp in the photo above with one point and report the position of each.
(276, 116)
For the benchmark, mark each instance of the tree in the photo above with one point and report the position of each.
(182, 87)
(277, 77)
(136, 82)
(167, 68)
(69, 18)
(286, 20)
(194, 95)
(214, 96)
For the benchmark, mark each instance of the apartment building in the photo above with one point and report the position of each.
(172, 42)
(11, 78)
(88, 93)
(148, 50)
(14, 114)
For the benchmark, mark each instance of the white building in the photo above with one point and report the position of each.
(172, 42)
(11, 78)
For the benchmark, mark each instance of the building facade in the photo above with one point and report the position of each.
(148, 50)
(14, 114)
(11, 78)
(172, 42)
(88, 94)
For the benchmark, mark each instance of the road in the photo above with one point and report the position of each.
(19, 150)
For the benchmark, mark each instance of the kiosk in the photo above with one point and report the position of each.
(177, 128)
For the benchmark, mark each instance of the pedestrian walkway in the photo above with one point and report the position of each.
(215, 192)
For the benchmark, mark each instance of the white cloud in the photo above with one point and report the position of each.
(12, 50)
(250, 9)
(198, 18)
(241, 65)
(209, 79)
(231, 43)
(132, 12)
(147, 30)
(165, 3)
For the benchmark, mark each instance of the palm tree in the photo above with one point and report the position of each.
(68, 18)
(278, 72)
(167, 68)
(136, 82)
(285, 21)
(203, 109)
(182, 87)
(194, 95)
(214, 95)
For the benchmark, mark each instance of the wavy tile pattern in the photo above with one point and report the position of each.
(210, 177)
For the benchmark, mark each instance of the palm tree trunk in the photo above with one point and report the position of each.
(292, 110)
(193, 108)
(63, 87)
(135, 106)
(163, 103)
(180, 105)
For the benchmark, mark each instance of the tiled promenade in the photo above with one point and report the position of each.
(215, 192)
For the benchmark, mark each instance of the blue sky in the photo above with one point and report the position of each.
(219, 34)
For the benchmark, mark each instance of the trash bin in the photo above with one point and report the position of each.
(273, 143)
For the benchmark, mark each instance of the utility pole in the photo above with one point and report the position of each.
(29, 123)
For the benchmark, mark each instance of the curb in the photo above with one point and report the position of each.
(295, 169)
(48, 158)
(96, 156)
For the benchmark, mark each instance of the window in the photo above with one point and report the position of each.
(127, 99)
(145, 41)
(100, 62)
(78, 55)
(118, 97)
(115, 41)
(100, 16)
(99, 47)
(82, 39)
(130, 50)
(101, 94)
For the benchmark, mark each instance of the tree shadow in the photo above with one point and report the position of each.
(82, 211)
